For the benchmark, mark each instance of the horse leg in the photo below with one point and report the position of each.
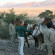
(53, 52)
(27, 41)
(36, 41)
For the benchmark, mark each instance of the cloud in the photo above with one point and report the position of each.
(18, 1)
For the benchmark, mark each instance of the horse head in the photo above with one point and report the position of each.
(28, 27)
(36, 30)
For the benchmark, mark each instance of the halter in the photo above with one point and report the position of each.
(38, 28)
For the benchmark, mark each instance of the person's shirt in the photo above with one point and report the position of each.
(21, 29)
(12, 29)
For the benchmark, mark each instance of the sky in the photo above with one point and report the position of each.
(19, 1)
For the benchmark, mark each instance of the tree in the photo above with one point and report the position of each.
(30, 21)
(47, 13)
(2, 15)
(22, 16)
(10, 16)
(43, 14)
(51, 16)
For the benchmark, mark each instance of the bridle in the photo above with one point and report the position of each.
(38, 29)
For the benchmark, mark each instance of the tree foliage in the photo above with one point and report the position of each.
(4, 31)
(22, 16)
(2, 15)
(10, 16)
(47, 13)
(7, 18)
(30, 21)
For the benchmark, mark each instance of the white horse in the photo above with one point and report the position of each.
(48, 37)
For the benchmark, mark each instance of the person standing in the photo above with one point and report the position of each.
(20, 29)
(12, 32)
(48, 38)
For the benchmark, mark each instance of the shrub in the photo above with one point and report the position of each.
(30, 21)
(4, 32)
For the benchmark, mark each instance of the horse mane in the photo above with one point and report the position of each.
(34, 26)
(25, 25)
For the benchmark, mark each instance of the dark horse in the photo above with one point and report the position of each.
(26, 34)
(36, 39)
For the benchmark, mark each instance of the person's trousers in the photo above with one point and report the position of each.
(21, 45)
(12, 38)
(49, 48)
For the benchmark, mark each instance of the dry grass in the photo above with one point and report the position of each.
(33, 12)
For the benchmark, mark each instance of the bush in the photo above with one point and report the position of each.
(4, 32)
(22, 16)
(9, 17)
(30, 21)
(2, 15)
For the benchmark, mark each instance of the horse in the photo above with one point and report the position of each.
(48, 37)
(37, 38)
(28, 27)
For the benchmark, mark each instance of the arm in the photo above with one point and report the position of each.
(25, 30)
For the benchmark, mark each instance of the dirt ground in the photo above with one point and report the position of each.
(6, 49)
